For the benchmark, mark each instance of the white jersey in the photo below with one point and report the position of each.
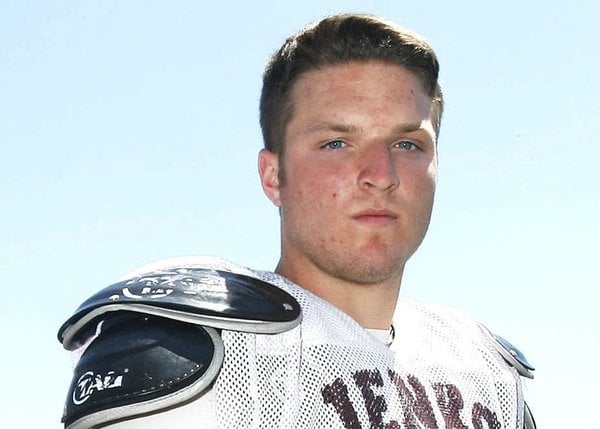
(441, 371)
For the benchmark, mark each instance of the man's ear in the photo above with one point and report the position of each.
(268, 170)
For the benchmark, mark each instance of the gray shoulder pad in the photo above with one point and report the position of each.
(206, 297)
(511, 354)
(138, 365)
(514, 357)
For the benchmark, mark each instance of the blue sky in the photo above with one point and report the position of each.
(129, 133)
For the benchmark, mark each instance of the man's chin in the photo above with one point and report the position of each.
(368, 271)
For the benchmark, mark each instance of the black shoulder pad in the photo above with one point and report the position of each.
(206, 297)
(140, 364)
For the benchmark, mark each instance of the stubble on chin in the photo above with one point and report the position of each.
(360, 269)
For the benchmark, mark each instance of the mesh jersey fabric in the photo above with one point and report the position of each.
(441, 371)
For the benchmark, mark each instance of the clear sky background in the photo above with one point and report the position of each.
(129, 132)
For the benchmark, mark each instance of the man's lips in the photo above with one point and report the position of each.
(375, 217)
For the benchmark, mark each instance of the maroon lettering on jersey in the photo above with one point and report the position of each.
(450, 402)
(336, 394)
(482, 412)
(375, 405)
(414, 405)
(417, 408)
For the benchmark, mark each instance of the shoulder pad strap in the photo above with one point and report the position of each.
(207, 297)
(139, 365)
(528, 420)
(511, 354)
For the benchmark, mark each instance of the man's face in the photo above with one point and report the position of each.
(360, 168)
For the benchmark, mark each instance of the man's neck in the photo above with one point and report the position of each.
(371, 305)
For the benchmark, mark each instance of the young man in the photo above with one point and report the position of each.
(350, 113)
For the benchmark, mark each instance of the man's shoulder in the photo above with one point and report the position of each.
(127, 334)
(448, 330)
(422, 315)
(448, 325)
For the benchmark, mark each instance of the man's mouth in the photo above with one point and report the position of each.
(375, 217)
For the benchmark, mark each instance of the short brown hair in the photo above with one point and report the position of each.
(336, 40)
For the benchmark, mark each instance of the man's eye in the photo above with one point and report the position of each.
(407, 145)
(334, 144)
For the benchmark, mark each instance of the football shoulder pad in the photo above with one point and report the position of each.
(140, 365)
(200, 296)
(514, 357)
(154, 342)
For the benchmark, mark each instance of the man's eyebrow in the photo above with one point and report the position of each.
(350, 128)
(409, 127)
(333, 126)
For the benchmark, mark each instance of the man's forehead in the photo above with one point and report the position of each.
(340, 68)
(360, 85)
(353, 82)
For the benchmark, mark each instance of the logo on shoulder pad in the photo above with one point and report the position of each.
(89, 383)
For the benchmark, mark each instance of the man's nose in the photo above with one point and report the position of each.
(378, 170)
